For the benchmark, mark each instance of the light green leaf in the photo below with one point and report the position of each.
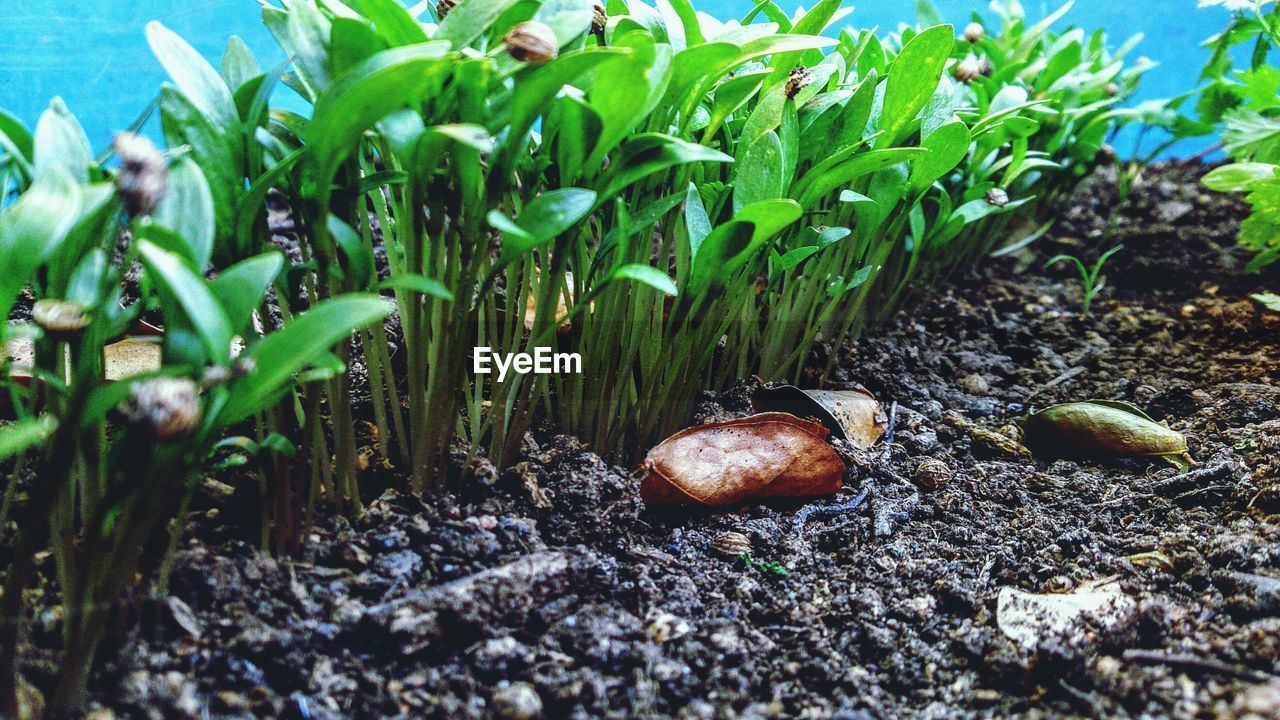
(188, 210)
(470, 19)
(913, 78)
(304, 341)
(647, 275)
(241, 288)
(1240, 177)
(195, 78)
(60, 141)
(759, 174)
(181, 288)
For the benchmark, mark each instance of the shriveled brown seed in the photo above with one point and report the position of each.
(166, 409)
(144, 174)
(443, 7)
(599, 18)
(967, 70)
(531, 42)
(732, 544)
(799, 79)
(933, 474)
(997, 197)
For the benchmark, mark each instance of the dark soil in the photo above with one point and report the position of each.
(553, 592)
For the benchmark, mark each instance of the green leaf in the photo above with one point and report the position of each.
(241, 288)
(195, 77)
(1268, 300)
(181, 288)
(544, 219)
(32, 228)
(647, 275)
(947, 146)
(359, 258)
(305, 340)
(187, 209)
(649, 153)
(60, 141)
(626, 89)
(730, 246)
(536, 89)
(1251, 136)
(364, 95)
(811, 190)
(1240, 177)
(695, 220)
(410, 282)
(184, 125)
(913, 78)
(25, 434)
(393, 22)
(470, 19)
(239, 66)
(759, 174)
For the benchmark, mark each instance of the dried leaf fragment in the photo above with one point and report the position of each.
(1030, 618)
(1102, 428)
(765, 455)
(852, 415)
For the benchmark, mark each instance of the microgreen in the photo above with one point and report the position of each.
(1091, 279)
(764, 567)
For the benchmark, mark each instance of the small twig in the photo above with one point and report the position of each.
(1154, 657)
(893, 422)
(827, 510)
(1198, 157)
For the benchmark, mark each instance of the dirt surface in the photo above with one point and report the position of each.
(553, 592)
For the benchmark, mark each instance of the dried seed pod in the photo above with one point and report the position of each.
(760, 456)
(852, 415)
(60, 319)
(998, 197)
(1111, 89)
(932, 474)
(215, 375)
(985, 68)
(443, 7)
(243, 366)
(531, 42)
(166, 409)
(599, 18)
(967, 70)
(974, 32)
(1103, 428)
(144, 174)
(732, 544)
(799, 79)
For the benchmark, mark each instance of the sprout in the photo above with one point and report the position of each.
(144, 174)
(444, 7)
(799, 79)
(974, 32)
(968, 70)
(60, 319)
(531, 42)
(166, 409)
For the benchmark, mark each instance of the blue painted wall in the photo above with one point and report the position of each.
(94, 55)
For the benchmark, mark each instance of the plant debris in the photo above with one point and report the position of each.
(852, 415)
(760, 456)
(1031, 619)
(1102, 428)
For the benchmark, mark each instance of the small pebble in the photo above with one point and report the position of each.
(517, 701)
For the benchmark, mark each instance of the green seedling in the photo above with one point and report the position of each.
(1091, 279)
(764, 567)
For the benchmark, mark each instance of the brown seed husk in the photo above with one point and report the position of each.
(851, 415)
(1102, 428)
(766, 455)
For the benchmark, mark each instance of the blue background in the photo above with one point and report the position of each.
(94, 54)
